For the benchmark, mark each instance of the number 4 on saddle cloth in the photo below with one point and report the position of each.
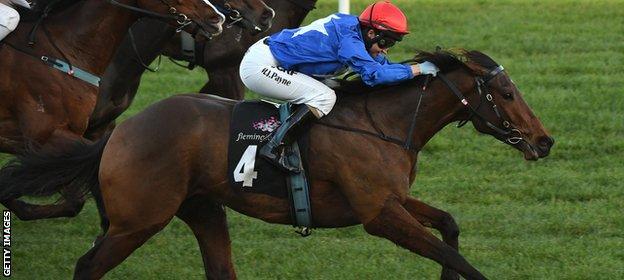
(252, 125)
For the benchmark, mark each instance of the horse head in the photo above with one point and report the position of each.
(254, 15)
(495, 106)
(184, 13)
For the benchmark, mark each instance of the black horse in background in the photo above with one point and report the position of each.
(220, 57)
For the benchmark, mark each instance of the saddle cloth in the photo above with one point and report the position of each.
(251, 127)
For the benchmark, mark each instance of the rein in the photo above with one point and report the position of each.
(406, 144)
(138, 55)
(506, 131)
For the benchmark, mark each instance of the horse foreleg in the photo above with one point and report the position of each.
(209, 224)
(395, 223)
(440, 220)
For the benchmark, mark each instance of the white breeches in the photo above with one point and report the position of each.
(9, 18)
(262, 74)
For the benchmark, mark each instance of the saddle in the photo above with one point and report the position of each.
(251, 128)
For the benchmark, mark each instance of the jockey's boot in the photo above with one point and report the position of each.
(288, 132)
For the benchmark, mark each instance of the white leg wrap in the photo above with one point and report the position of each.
(262, 74)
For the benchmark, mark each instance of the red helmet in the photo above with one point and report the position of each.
(383, 15)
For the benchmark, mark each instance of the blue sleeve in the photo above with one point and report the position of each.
(382, 59)
(351, 51)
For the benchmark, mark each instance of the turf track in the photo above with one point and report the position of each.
(560, 218)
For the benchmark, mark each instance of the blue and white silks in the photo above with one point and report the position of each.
(328, 45)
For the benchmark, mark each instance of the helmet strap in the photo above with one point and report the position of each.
(369, 42)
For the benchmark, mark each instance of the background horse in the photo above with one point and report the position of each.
(171, 160)
(220, 57)
(153, 33)
(44, 106)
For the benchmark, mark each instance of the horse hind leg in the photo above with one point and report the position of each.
(112, 249)
(208, 222)
(396, 224)
(440, 220)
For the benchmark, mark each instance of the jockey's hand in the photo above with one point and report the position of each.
(425, 68)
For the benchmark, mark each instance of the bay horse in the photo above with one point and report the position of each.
(44, 106)
(171, 160)
(220, 57)
(148, 31)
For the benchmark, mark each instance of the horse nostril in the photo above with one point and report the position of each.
(215, 20)
(546, 142)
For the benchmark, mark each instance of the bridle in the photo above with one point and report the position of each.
(506, 130)
(181, 19)
(232, 15)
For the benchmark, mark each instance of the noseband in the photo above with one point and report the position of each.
(512, 135)
(233, 16)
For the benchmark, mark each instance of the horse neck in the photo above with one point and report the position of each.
(394, 109)
(89, 32)
(288, 15)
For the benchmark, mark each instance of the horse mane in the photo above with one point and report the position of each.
(39, 7)
(447, 60)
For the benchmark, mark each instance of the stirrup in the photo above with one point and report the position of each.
(278, 159)
(284, 164)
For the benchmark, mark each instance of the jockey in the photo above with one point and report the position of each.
(288, 64)
(9, 17)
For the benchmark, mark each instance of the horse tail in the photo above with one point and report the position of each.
(37, 173)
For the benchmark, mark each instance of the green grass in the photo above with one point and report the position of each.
(559, 218)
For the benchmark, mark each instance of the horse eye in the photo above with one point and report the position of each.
(508, 95)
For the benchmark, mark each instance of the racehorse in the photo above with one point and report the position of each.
(48, 107)
(220, 58)
(171, 160)
(252, 13)
(56, 107)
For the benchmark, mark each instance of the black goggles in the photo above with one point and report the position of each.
(386, 42)
(387, 39)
